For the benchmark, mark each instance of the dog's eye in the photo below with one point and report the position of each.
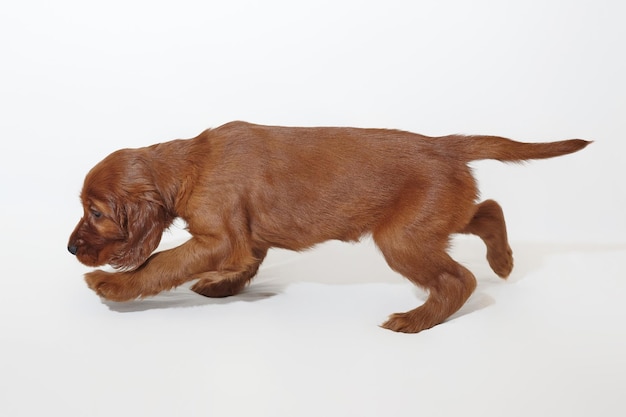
(96, 214)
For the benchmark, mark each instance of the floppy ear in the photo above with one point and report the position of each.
(143, 218)
(140, 209)
(144, 222)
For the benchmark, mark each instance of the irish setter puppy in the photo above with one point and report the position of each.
(244, 188)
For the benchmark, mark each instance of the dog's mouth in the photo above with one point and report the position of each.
(88, 255)
(88, 259)
(114, 256)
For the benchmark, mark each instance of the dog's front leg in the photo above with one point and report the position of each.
(114, 286)
(195, 259)
(229, 281)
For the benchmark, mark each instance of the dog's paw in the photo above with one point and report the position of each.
(109, 285)
(215, 286)
(501, 261)
(405, 323)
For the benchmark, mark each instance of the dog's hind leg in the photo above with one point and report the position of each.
(430, 267)
(488, 224)
(414, 243)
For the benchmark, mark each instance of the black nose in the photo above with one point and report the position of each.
(73, 249)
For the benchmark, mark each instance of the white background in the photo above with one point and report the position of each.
(80, 79)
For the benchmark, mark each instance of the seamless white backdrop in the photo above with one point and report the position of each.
(79, 80)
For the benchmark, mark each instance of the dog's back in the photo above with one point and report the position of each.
(307, 185)
(365, 145)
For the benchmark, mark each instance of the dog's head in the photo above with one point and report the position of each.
(124, 213)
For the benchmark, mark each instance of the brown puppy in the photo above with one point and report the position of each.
(244, 188)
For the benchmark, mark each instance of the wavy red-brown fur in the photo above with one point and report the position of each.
(244, 188)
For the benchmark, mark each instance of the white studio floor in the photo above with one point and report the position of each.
(79, 80)
(303, 340)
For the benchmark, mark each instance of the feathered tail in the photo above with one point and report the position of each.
(507, 150)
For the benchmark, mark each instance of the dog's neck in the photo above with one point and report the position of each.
(172, 169)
